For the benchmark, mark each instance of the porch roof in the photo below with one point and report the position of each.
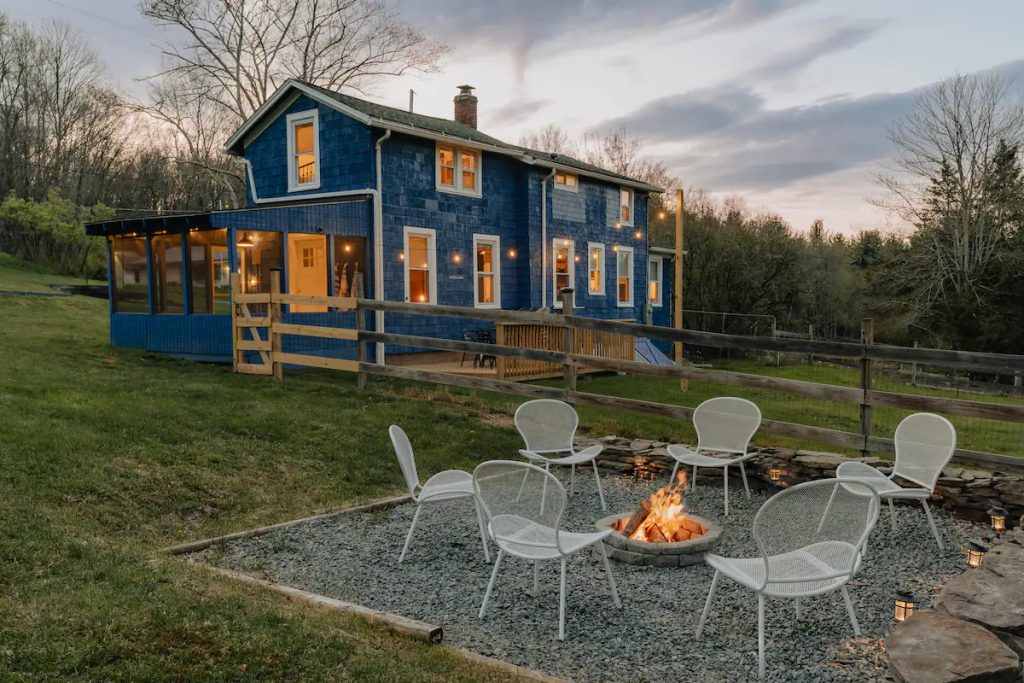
(170, 221)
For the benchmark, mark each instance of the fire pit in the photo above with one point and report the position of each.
(661, 533)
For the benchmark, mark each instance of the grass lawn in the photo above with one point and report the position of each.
(23, 276)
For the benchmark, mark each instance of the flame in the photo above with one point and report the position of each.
(667, 520)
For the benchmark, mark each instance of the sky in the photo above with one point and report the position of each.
(785, 103)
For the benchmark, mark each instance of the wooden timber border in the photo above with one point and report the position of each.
(248, 341)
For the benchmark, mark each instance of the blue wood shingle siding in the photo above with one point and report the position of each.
(509, 207)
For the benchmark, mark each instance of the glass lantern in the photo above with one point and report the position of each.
(975, 552)
(903, 606)
(998, 516)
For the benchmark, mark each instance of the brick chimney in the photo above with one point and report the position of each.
(465, 106)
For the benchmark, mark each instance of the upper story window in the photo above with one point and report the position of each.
(458, 170)
(595, 264)
(303, 151)
(624, 276)
(654, 281)
(420, 258)
(487, 271)
(567, 181)
(626, 206)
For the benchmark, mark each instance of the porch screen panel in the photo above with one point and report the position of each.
(169, 289)
(258, 252)
(131, 278)
(349, 266)
(209, 272)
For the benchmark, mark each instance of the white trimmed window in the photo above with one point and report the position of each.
(567, 181)
(487, 271)
(420, 258)
(626, 206)
(624, 277)
(564, 272)
(595, 268)
(303, 150)
(458, 170)
(654, 277)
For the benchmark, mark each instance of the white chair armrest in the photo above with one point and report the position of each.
(590, 452)
(530, 455)
(678, 451)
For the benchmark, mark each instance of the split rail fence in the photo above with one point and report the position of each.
(247, 340)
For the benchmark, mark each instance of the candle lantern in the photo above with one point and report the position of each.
(904, 606)
(775, 474)
(998, 516)
(975, 551)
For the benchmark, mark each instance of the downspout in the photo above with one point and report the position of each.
(378, 252)
(544, 243)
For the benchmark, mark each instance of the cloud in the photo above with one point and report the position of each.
(689, 114)
(515, 111)
(835, 39)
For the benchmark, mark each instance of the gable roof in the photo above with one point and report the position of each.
(421, 125)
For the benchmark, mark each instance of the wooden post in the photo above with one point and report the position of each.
(236, 289)
(677, 298)
(913, 370)
(570, 344)
(361, 346)
(275, 317)
(867, 338)
(500, 361)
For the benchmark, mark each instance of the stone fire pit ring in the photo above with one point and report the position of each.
(681, 554)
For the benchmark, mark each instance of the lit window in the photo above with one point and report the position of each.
(349, 264)
(566, 181)
(595, 266)
(624, 276)
(303, 151)
(307, 269)
(420, 266)
(168, 283)
(626, 206)
(209, 274)
(458, 170)
(131, 277)
(654, 281)
(564, 271)
(487, 271)
(258, 253)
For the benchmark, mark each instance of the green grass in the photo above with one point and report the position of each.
(22, 276)
(107, 455)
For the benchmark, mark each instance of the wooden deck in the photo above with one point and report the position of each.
(443, 362)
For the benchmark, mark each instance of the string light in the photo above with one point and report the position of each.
(511, 253)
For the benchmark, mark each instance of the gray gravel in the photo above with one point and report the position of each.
(442, 581)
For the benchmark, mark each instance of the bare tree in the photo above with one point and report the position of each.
(551, 138)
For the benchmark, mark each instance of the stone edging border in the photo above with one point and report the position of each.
(414, 628)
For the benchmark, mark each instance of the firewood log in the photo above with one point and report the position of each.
(638, 517)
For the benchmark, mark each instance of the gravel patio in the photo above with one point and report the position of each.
(442, 581)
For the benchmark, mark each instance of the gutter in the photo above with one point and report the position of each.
(544, 243)
(256, 199)
(378, 252)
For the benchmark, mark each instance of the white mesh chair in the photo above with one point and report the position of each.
(810, 539)
(443, 486)
(526, 520)
(548, 428)
(724, 425)
(924, 446)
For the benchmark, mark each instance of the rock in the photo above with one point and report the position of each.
(819, 460)
(1011, 492)
(933, 647)
(993, 594)
(640, 444)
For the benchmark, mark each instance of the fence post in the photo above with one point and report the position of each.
(236, 289)
(361, 346)
(913, 370)
(867, 338)
(275, 317)
(570, 344)
(499, 339)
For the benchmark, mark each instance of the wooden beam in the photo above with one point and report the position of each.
(318, 361)
(315, 331)
(342, 303)
(438, 344)
(1007, 412)
(254, 369)
(253, 345)
(467, 381)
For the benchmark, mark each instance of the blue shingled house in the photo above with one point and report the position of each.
(349, 197)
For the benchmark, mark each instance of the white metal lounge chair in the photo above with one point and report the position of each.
(810, 539)
(526, 520)
(443, 486)
(724, 425)
(924, 446)
(548, 428)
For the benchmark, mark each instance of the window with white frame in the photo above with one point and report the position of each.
(564, 271)
(567, 181)
(487, 271)
(303, 151)
(420, 256)
(626, 206)
(654, 276)
(458, 170)
(595, 268)
(624, 276)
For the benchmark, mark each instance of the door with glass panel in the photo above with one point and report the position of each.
(307, 269)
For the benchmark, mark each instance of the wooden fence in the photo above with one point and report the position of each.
(572, 358)
(551, 338)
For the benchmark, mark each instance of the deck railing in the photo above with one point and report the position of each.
(551, 337)
(573, 356)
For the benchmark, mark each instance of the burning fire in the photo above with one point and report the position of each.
(662, 517)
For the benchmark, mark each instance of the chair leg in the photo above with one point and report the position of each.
(408, 537)
(892, 514)
(760, 637)
(798, 608)
(597, 478)
(561, 605)
(544, 488)
(483, 529)
(490, 584)
(849, 610)
(693, 481)
(672, 477)
(746, 486)
(572, 479)
(707, 608)
(608, 571)
(536, 578)
(931, 522)
(726, 476)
